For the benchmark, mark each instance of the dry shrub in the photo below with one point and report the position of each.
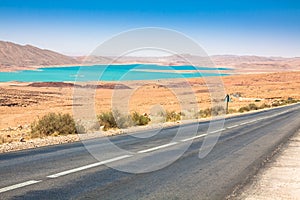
(53, 124)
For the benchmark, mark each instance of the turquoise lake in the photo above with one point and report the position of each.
(110, 73)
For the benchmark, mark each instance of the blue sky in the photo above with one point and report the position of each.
(265, 27)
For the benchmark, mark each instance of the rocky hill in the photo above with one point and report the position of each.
(17, 57)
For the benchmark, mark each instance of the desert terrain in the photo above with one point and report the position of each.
(22, 103)
(253, 79)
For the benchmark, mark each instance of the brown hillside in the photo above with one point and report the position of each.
(14, 57)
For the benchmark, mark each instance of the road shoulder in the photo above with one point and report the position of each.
(279, 179)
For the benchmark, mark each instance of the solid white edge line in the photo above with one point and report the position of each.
(192, 138)
(158, 147)
(88, 166)
(19, 185)
(244, 123)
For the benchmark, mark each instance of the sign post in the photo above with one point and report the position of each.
(227, 99)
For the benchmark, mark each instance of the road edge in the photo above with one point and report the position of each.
(261, 165)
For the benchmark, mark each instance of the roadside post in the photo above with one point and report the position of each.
(227, 100)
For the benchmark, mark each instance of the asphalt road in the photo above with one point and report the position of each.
(69, 171)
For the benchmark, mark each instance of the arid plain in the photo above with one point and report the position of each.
(252, 79)
(22, 103)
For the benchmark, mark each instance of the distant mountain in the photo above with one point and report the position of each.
(257, 63)
(253, 64)
(17, 57)
(240, 64)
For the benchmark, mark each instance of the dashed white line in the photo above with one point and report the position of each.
(19, 185)
(218, 130)
(88, 166)
(261, 118)
(31, 182)
(229, 127)
(192, 138)
(158, 147)
(244, 123)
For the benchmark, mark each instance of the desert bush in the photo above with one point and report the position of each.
(114, 119)
(189, 114)
(264, 105)
(123, 121)
(231, 110)
(172, 116)
(81, 129)
(275, 104)
(253, 106)
(290, 100)
(140, 120)
(107, 120)
(205, 113)
(282, 102)
(244, 109)
(217, 110)
(249, 107)
(182, 114)
(53, 123)
(6, 139)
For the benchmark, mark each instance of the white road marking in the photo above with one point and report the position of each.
(218, 130)
(258, 119)
(261, 118)
(19, 185)
(158, 147)
(31, 182)
(88, 166)
(229, 127)
(282, 112)
(244, 123)
(192, 138)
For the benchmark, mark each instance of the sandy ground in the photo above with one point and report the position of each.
(22, 103)
(280, 179)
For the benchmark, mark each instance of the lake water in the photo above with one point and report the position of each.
(110, 73)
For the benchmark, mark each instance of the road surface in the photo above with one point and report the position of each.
(69, 171)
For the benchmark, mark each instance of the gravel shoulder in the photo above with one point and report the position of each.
(280, 178)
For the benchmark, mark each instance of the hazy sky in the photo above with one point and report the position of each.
(253, 27)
